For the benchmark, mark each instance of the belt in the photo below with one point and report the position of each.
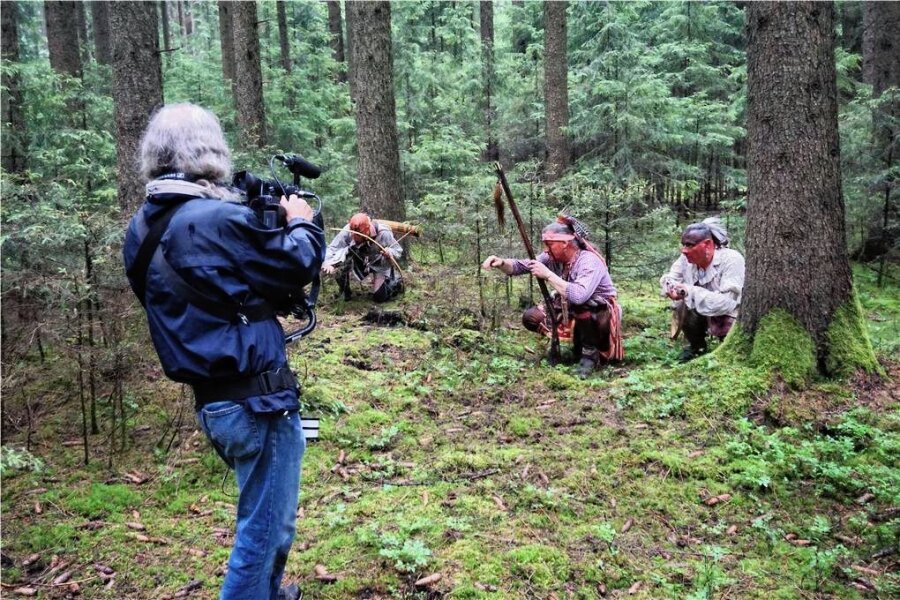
(238, 389)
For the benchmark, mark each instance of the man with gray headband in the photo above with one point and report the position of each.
(706, 283)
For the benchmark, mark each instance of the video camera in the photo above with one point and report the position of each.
(264, 197)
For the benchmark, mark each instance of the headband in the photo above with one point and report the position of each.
(557, 237)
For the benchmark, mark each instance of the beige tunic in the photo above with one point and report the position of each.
(714, 291)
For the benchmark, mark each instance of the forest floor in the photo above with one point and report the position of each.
(449, 448)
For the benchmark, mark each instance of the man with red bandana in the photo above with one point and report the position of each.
(366, 250)
(706, 283)
(585, 293)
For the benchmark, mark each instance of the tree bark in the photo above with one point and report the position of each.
(351, 75)
(881, 45)
(248, 90)
(100, 21)
(284, 41)
(137, 88)
(14, 144)
(881, 69)
(556, 92)
(84, 46)
(492, 151)
(369, 26)
(226, 37)
(797, 260)
(62, 37)
(164, 19)
(337, 35)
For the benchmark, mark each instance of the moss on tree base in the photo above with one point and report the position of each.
(849, 345)
(782, 346)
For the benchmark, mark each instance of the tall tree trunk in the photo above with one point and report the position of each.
(179, 4)
(369, 26)
(100, 22)
(226, 37)
(164, 19)
(351, 27)
(137, 88)
(84, 45)
(248, 91)
(799, 291)
(337, 36)
(492, 150)
(284, 41)
(62, 37)
(15, 137)
(556, 90)
(881, 69)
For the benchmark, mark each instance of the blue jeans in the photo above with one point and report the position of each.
(265, 451)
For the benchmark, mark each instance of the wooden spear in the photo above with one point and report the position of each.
(548, 304)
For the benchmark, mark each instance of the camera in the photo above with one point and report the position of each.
(264, 195)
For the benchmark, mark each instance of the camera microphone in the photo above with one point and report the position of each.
(299, 165)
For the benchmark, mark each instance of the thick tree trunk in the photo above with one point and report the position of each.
(284, 41)
(798, 270)
(556, 91)
(248, 91)
(62, 37)
(15, 137)
(492, 150)
(137, 88)
(100, 21)
(369, 25)
(226, 36)
(337, 35)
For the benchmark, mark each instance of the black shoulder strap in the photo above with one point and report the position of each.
(150, 251)
(138, 270)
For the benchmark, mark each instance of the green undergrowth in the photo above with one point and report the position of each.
(449, 445)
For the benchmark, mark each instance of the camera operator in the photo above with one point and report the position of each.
(209, 290)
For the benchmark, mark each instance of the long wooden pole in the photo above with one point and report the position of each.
(548, 304)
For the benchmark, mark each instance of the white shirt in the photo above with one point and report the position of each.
(713, 291)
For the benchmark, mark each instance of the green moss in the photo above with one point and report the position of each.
(849, 346)
(544, 567)
(736, 347)
(523, 426)
(783, 345)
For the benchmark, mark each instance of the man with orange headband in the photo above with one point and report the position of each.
(365, 249)
(585, 293)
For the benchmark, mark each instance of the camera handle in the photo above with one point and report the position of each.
(298, 166)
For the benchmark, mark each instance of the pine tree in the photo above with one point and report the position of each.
(798, 303)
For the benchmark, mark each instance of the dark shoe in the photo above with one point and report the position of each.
(290, 592)
(689, 354)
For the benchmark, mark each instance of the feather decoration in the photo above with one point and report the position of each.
(498, 205)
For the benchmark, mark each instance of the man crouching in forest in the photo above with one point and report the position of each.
(706, 283)
(365, 249)
(209, 272)
(584, 292)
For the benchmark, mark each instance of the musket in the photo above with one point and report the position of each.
(548, 303)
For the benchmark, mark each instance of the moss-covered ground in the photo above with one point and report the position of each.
(449, 447)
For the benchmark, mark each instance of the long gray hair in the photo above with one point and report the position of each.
(185, 138)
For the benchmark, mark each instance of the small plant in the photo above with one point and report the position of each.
(408, 556)
(18, 459)
(383, 439)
